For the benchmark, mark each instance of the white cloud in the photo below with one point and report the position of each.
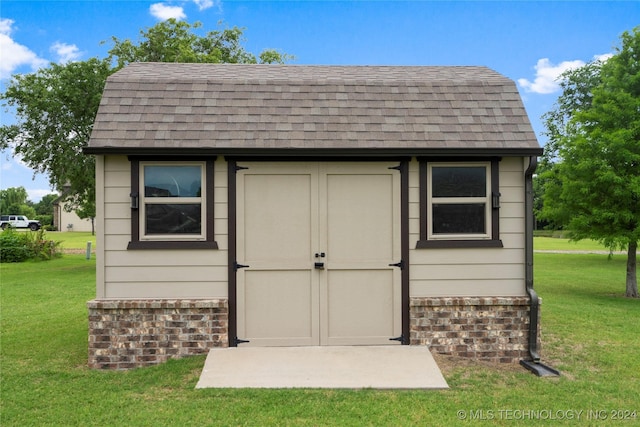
(163, 11)
(547, 75)
(66, 52)
(206, 4)
(14, 55)
(36, 194)
(603, 58)
(5, 26)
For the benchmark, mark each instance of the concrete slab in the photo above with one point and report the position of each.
(380, 367)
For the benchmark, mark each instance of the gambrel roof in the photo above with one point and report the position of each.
(276, 109)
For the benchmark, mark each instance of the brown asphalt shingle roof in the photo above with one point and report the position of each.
(227, 107)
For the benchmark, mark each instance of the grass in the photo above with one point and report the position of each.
(589, 332)
(555, 244)
(73, 239)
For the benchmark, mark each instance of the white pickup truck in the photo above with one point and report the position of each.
(19, 221)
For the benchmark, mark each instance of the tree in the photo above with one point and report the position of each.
(56, 106)
(44, 209)
(14, 201)
(593, 187)
(45, 205)
(175, 41)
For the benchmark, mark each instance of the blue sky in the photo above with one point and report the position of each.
(529, 42)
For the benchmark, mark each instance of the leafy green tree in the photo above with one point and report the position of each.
(175, 41)
(593, 187)
(12, 196)
(88, 210)
(44, 209)
(14, 200)
(45, 205)
(56, 106)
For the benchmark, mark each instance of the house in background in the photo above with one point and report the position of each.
(279, 205)
(65, 219)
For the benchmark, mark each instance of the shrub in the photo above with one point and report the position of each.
(21, 246)
(45, 220)
(12, 246)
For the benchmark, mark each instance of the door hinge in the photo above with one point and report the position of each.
(237, 341)
(400, 339)
(240, 168)
(398, 264)
(397, 168)
(237, 266)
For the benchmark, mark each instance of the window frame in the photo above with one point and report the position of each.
(490, 239)
(204, 240)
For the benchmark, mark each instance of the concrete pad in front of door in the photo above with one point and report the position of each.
(355, 367)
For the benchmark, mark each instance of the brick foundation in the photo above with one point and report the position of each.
(125, 334)
(482, 328)
(128, 334)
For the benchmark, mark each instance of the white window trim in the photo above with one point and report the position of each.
(173, 200)
(459, 200)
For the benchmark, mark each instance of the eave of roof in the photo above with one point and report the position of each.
(317, 152)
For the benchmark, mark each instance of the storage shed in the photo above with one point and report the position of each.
(285, 205)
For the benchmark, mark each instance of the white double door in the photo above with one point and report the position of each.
(318, 239)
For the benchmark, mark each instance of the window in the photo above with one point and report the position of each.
(172, 201)
(459, 204)
(172, 204)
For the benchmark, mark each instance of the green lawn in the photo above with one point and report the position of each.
(552, 243)
(589, 332)
(73, 239)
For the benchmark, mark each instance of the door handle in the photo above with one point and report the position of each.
(318, 265)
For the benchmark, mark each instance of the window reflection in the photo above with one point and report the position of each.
(172, 181)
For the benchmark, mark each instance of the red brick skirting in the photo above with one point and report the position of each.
(126, 334)
(483, 328)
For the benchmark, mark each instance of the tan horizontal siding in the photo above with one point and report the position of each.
(472, 271)
(117, 211)
(511, 209)
(119, 178)
(158, 273)
(458, 288)
(166, 273)
(467, 256)
(513, 241)
(178, 290)
(511, 225)
(466, 271)
(182, 258)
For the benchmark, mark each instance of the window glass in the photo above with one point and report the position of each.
(173, 218)
(458, 218)
(454, 181)
(172, 181)
(173, 203)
